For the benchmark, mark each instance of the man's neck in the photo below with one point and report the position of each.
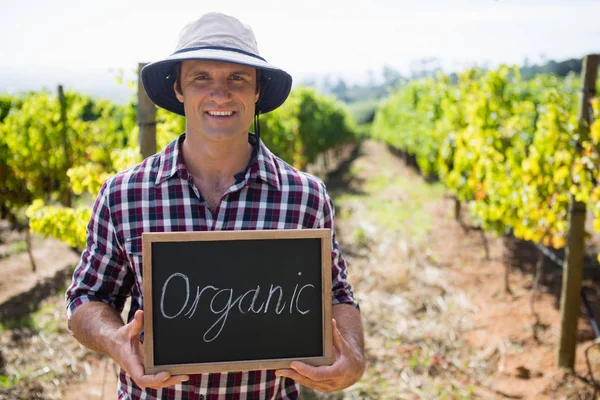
(215, 161)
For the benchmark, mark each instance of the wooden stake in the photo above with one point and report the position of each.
(539, 265)
(146, 118)
(66, 191)
(30, 249)
(573, 268)
(457, 209)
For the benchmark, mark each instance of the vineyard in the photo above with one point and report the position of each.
(517, 155)
(57, 151)
(513, 149)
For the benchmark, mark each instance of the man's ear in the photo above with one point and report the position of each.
(178, 94)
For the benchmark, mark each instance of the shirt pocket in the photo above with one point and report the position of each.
(133, 252)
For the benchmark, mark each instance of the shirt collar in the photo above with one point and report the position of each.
(171, 161)
(262, 164)
(265, 167)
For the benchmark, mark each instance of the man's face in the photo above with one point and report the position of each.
(218, 98)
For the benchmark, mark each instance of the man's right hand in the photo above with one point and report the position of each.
(127, 351)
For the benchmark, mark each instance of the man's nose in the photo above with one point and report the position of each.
(220, 91)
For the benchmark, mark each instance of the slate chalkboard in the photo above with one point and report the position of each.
(236, 300)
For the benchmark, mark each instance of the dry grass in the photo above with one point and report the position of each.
(38, 358)
(416, 323)
(413, 320)
(413, 324)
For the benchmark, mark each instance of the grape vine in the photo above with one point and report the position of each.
(511, 148)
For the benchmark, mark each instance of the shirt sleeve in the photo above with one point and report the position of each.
(102, 273)
(342, 289)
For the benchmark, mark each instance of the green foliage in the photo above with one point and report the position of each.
(590, 158)
(168, 127)
(407, 120)
(8, 381)
(39, 146)
(509, 147)
(7, 103)
(64, 223)
(364, 111)
(307, 125)
(49, 153)
(280, 130)
(69, 224)
(45, 156)
(324, 123)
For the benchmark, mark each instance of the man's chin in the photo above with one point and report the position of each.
(225, 135)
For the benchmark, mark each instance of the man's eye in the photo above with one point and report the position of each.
(201, 77)
(236, 78)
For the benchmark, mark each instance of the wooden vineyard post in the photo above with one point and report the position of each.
(573, 268)
(457, 207)
(146, 119)
(66, 194)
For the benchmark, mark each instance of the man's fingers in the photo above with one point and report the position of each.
(131, 357)
(137, 324)
(174, 380)
(338, 340)
(287, 372)
(160, 380)
(305, 381)
(135, 369)
(290, 373)
(317, 374)
(157, 381)
(160, 377)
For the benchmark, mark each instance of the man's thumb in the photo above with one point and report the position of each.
(137, 323)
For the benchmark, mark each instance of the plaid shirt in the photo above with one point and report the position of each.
(159, 195)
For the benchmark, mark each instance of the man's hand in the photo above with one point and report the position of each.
(127, 351)
(347, 368)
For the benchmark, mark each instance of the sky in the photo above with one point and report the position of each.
(84, 44)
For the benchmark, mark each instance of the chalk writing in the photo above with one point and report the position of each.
(223, 301)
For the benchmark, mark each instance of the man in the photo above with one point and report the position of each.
(215, 176)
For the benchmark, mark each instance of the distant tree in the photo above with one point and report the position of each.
(371, 74)
(310, 82)
(326, 84)
(573, 65)
(391, 76)
(340, 90)
(560, 68)
(425, 67)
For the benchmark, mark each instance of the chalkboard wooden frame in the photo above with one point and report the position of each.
(326, 358)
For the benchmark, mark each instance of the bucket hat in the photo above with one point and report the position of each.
(216, 37)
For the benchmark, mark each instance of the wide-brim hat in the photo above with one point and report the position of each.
(216, 37)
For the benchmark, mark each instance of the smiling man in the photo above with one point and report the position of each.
(215, 176)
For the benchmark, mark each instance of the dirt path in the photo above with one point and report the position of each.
(51, 257)
(438, 323)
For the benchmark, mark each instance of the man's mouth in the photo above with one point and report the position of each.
(220, 113)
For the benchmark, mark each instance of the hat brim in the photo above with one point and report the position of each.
(158, 79)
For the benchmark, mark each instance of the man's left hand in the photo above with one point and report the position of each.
(347, 368)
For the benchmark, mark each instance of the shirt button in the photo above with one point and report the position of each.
(201, 397)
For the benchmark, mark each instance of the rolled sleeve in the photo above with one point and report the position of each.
(341, 287)
(101, 275)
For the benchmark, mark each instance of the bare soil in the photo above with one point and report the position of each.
(438, 322)
(50, 257)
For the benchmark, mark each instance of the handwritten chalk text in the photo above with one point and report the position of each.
(222, 300)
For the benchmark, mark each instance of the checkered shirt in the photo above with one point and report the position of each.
(159, 195)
